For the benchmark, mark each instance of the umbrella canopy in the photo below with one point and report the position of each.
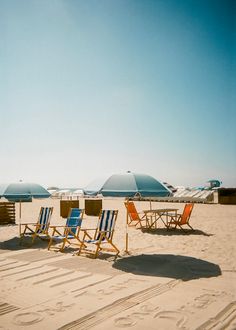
(132, 184)
(21, 191)
(214, 183)
(94, 187)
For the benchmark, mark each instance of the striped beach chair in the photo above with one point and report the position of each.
(68, 234)
(103, 235)
(39, 229)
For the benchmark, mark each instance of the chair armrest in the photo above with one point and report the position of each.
(86, 229)
(174, 215)
(30, 223)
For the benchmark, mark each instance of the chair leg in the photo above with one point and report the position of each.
(63, 245)
(50, 243)
(80, 249)
(117, 250)
(33, 238)
(182, 228)
(190, 226)
(97, 251)
(22, 235)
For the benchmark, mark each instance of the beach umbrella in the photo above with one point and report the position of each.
(129, 185)
(133, 184)
(214, 183)
(22, 192)
(93, 188)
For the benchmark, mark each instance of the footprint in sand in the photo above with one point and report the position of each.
(59, 307)
(170, 320)
(119, 286)
(27, 318)
(131, 319)
(148, 309)
(125, 322)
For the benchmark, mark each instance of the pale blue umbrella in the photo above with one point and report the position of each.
(129, 185)
(22, 192)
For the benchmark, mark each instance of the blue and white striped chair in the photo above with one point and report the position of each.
(39, 229)
(103, 235)
(69, 233)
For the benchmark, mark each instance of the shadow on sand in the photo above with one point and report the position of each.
(168, 265)
(175, 232)
(13, 244)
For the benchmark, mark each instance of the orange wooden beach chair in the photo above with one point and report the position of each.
(134, 217)
(179, 220)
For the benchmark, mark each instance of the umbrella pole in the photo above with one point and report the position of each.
(150, 204)
(20, 219)
(126, 233)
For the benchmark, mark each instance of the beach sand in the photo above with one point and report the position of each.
(169, 279)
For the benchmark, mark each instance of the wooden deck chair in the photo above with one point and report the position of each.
(180, 220)
(134, 218)
(68, 234)
(102, 237)
(39, 229)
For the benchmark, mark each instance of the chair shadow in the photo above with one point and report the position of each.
(171, 232)
(13, 244)
(168, 265)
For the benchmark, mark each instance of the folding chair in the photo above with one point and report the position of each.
(69, 233)
(102, 237)
(179, 220)
(134, 218)
(39, 229)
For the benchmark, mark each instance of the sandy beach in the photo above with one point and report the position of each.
(169, 279)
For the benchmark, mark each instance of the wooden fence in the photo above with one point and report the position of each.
(7, 213)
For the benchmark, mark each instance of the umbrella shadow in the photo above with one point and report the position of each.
(174, 232)
(168, 265)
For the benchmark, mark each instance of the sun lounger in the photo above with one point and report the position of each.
(39, 229)
(68, 234)
(103, 235)
(179, 220)
(135, 218)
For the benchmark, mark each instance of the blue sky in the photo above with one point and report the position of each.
(92, 88)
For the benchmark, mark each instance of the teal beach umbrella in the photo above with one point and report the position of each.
(22, 192)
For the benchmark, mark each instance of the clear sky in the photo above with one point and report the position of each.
(92, 88)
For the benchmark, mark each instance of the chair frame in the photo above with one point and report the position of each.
(133, 216)
(105, 237)
(40, 229)
(66, 233)
(179, 220)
